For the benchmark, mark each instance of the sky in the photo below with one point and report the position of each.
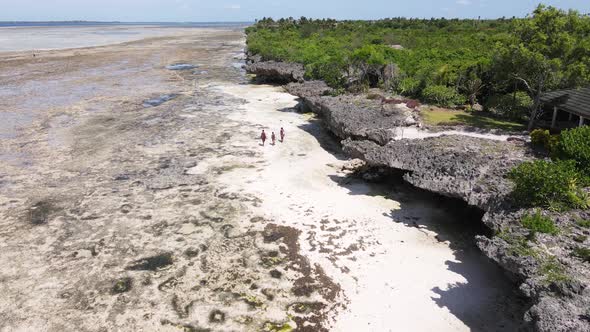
(249, 10)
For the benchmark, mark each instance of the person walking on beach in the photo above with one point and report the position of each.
(263, 137)
(273, 138)
(282, 133)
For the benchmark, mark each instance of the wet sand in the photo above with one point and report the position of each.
(120, 215)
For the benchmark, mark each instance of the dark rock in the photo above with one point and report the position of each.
(309, 89)
(152, 263)
(39, 212)
(565, 315)
(276, 274)
(359, 118)
(276, 72)
(452, 166)
(217, 316)
(191, 252)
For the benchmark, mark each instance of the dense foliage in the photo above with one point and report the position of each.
(542, 137)
(420, 53)
(554, 185)
(501, 63)
(574, 144)
(442, 95)
(550, 50)
(515, 106)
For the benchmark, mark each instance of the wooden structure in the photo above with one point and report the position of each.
(573, 102)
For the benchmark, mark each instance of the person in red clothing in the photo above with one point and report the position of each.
(263, 137)
(282, 133)
(273, 138)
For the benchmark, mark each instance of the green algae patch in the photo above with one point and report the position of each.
(277, 327)
(252, 300)
(122, 286)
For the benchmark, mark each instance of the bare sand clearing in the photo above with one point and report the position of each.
(121, 216)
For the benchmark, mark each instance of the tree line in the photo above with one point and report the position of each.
(504, 64)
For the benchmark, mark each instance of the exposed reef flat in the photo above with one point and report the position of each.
(117, 216)
(113, 216)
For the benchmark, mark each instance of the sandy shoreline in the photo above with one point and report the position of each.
(118, 216)
(394, 277)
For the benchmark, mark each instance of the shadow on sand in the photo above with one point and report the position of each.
(327, 141)
(487, 300)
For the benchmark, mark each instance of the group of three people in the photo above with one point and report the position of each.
(272, 136)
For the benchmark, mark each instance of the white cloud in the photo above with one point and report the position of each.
(233, 7)
(464, 2)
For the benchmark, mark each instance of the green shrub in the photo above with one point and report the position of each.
(513, 106)
(583, 223)
(553, 143)
(409, 86)
(538, 223)
(542, 137)
(575, 144)
(330, 72)
(553, 185)
(582, 253)
(442, 95)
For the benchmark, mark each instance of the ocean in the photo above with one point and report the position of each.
(38, 36)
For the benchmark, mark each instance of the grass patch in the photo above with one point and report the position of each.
(468, 118)
(583, 223)
(549, 268)
(519, 245)
(582, 253)
(553, 271)
(538, 223)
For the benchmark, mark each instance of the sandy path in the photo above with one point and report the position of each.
(394, 277)
(415, 133)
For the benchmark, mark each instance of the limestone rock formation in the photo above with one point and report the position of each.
(276, 72)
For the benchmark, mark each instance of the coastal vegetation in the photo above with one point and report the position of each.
(574, 144)
(538, 223)
(503, 64)
(558, 184)
(555, 185)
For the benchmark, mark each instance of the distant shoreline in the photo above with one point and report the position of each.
(96, 23)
